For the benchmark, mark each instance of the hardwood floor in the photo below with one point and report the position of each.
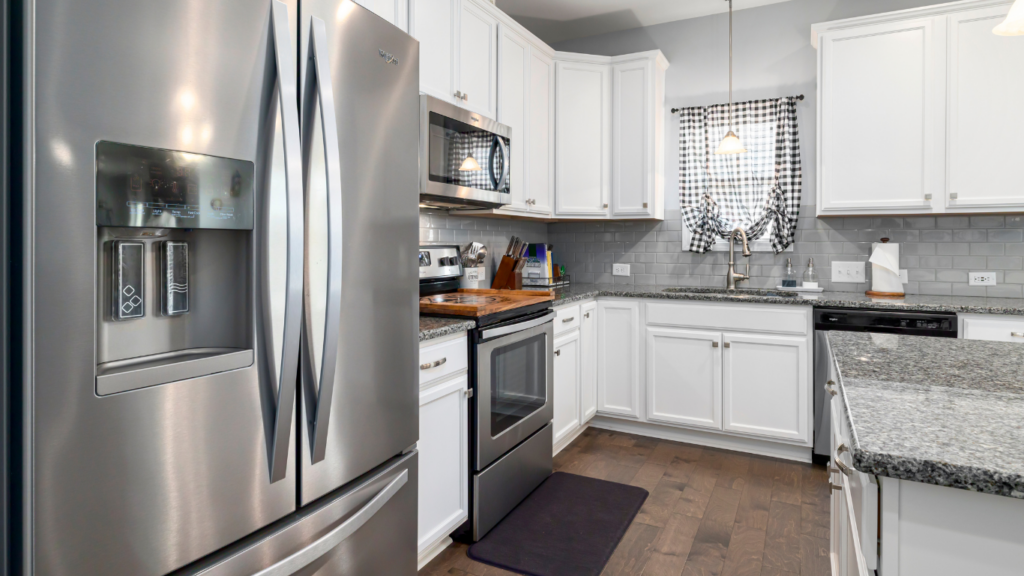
(710, 512)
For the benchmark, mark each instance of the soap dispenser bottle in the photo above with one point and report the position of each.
(789, 280)
(810, 276)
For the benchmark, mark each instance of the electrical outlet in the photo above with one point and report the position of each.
(849, 272)
(983, 279)
(904, 276)
(620, 269)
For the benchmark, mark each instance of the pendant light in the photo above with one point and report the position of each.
(731, 143)
(1014, 23)
(470, 165)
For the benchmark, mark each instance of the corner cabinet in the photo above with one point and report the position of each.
(583, 136)
(917, 113)
(618, 358)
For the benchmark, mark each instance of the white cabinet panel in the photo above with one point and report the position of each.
(567, 385)
(882, 125)
(540, 133)
(567, 318)
(994, 328)
(618, 358)
(986, 118)
(632, 145)
(432, 22)
(766, 386)
(443, 460)
(477, 60)
(439, 361)
(513, 110)
(582, 138)
(588, 361)
(684, 377)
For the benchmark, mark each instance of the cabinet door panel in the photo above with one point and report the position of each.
(567, 385)
(588, 361)
(986, 118)
(444, 460)
(433, 24)
(541, 133)
(478, 60)
(766, 386)
(582, 109)
(631, 145)
(882, 122)
(618, 358)
(684, 377)
(513, 108)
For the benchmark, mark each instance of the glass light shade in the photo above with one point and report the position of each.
(470, 165)
(1014, 23)
(731, 144)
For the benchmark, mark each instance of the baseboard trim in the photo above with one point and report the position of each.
(431, 552)
(561, 444)
(710, 439)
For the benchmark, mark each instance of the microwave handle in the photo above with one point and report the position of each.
(512, 329)
(504, 164)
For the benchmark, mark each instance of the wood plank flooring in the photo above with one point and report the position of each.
(710, 512)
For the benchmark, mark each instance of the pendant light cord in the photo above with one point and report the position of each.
(730, 65)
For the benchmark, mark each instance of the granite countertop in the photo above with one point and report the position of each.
(431, 327)
(915, 303)
(941, 411)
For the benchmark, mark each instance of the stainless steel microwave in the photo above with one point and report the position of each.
(464, 157)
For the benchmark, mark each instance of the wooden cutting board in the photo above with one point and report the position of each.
(476, 302)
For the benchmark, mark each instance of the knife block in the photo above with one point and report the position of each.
(505, 273)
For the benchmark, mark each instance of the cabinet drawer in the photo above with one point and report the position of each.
(994, 328)
(567, 319)
(729, 317)
(441, 360)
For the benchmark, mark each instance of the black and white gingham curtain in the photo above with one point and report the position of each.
(719, 193)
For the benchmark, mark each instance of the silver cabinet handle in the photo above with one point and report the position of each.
(1017, 334)
(567, 320)
(829, 387)
(465, 97)
(928, 197)
(846, 470)
(319, 388)
(434, 364)
(953, 196)
(458, 94)
(728, 345)
(587, 315)
(325, 544)
(558, 352)
(280, 412)
(468, 392)
(605, 206)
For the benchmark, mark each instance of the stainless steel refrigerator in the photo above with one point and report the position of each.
(217, 223)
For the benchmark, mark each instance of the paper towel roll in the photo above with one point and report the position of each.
(885, 268)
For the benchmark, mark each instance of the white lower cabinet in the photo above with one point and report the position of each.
(443, 461)
(618, 358)
(992, 328)
(567, 385)
(766, 387)
(588, 361)
(684, 377)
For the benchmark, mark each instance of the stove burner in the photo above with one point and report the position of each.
(465, 299)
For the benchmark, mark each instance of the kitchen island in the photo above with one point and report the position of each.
(935, 427)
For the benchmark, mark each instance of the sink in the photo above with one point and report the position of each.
(739, 293)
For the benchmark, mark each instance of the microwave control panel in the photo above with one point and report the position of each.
(142, 187)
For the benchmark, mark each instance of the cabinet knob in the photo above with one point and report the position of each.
(558, 352)
(714, 344)
(645, 204)
(465, 97)
(587, 315)
(834, 487)
(605, 205)
(829, 387)
(468, 392)
(458, 94)
(928, 197)
(728, 345)
(953, 196)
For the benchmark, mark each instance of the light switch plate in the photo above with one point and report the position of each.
(620, 269)
(904, 276)
(983, 279)
(848, 272)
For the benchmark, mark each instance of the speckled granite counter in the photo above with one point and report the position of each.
(935, 410)
(431, 328)
(957, 304)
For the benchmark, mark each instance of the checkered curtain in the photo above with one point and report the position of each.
(479, 145)
(755, 191)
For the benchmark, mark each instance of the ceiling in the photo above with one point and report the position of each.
(557, 20)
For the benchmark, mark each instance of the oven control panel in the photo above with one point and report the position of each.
(436, 262)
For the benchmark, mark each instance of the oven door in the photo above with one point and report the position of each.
(514, 384)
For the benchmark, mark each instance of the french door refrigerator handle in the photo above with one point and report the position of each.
(288, 94)
(318, 87)
(327, 542)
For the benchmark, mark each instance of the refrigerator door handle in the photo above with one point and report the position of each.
(325, 544)
(318, 389)
(278, 417)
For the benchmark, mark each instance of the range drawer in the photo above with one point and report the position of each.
(567, 318)
(441, 360)
(994, 328)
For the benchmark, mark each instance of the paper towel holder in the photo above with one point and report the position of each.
(894, 295)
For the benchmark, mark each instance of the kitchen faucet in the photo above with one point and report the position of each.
(733, 277)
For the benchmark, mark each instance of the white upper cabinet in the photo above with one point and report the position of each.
(582, 137)
(477, 73)
(394, 11)
(432, 22)
(540, 134)
(513, 107)
(638, 119)
(986, 113)
(918, 112)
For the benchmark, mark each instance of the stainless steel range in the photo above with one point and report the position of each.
(511, 375)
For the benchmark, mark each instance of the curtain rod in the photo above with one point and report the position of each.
(677, 110)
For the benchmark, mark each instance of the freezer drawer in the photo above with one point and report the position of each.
(367, 528)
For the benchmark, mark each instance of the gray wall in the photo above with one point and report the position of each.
(774, 57)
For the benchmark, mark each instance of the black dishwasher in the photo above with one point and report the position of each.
(934, 324)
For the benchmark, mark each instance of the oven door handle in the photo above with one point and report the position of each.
(506, 330)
